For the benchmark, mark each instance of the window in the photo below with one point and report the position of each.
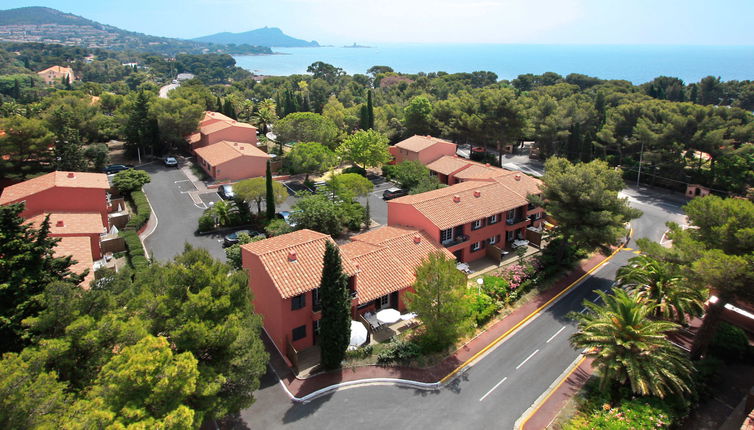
(315, 328)
(476, 225)
(493, 240)
(446, 235)
(298, 302)
(298, 333)
(538, 215)
(492, 219)
(316, 305)
(511, 214)
(509, 235)
(476, 246)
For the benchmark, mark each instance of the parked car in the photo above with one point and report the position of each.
(286, 216)
(170, 162)
(226, 192)
(232, 238)
(393, 193)
(115, 168)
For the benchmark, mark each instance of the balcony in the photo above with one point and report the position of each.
(458, 239)
(516, 220)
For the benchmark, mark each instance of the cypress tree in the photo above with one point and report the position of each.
(335, 325)
(269, 193)
(364, 118)
(16, 90)
(218, 105)
(370, 110)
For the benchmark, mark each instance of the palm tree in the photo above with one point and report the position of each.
(265, 115)
(660, 283)
(222, 212)
(630, 348)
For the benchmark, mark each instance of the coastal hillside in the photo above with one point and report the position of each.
(51, 26)
(267, 36)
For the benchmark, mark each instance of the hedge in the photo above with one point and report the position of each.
(143, 211)
(135, 250)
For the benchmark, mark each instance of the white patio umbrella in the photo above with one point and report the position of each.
(358, 334)
(388, 316)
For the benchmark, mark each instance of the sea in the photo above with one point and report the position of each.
(635, 63)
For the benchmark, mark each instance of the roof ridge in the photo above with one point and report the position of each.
(292, 245)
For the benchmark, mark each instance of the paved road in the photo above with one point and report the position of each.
(177, 214)
(166, 89)
(496, 391)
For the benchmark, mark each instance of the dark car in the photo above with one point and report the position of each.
(170, 162)
(286, 216)
(226, 192)
(393, 193)
(115, 168)
(232, 238)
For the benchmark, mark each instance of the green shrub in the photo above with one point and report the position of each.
(398, 351)
(730, 343)
(359, 353)
(277, 227)
(355, 169)
(206, 221)
(388, 170)
(127, 181)
(135, 250)
(143, 211)
(495, 287)
(636, 414)
(483, 308)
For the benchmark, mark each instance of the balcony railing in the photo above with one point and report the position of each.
(459, 238)
(516, 220)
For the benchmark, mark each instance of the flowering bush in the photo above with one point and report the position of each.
(635, 414)
(515, 274)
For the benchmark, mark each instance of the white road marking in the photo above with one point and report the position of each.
(182, 180)
(595, 299)
(680, 346)
(553, 336)
(582, 310)
(492, 389)
(527, 359)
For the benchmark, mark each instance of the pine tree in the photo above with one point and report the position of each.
(335, 325)
(370, 110)
(270, 194)
(16, 90)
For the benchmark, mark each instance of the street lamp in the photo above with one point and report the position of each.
(479, 282)
(641, 153)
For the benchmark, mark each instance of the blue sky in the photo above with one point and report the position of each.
(689, 22)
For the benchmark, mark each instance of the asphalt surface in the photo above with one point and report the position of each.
(177, 214)
(496, 391)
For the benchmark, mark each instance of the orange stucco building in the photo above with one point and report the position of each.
(285, 272)
(232, 161)
(56, 75)
(216, 127)
(424, 149)
(77, 205)
(469, 216)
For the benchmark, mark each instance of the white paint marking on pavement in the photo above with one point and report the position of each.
(582, 310)
(680, 346)
(527, 359)
(182, 180)
(553, 336)
(595, 299)
(492, 389)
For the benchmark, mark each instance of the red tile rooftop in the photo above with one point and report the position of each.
(294, 260)
(417, 143)
(224, 151)
(55, 179)
(71, 223)
(80, 249)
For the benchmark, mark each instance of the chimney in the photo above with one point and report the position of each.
(417, 239)
(241, 148)
(292, 256)
(477, 193)
(235, 143)
(517, 177)
(60, 223)
(456, 199)
(71, 175)
(487, 164)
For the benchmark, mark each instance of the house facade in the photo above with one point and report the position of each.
(79, 210)
(232, 161)
(56, 75)
(424, 149)
(216, 127)
(285, 272)
(470, 217)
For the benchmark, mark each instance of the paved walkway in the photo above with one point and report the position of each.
(445, 369)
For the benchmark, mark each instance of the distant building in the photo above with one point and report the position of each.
(424, 149)
(56, 75)
(216, 127)
(184, 77)
(232, 161)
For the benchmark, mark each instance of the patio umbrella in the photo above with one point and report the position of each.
(388, 316)
(358, 334)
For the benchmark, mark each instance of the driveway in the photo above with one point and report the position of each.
(177, 214)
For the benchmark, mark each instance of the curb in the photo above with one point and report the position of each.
(144, 236)
(545, 396)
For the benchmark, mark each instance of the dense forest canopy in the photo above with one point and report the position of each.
(698, 132)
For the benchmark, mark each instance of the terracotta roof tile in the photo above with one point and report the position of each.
(80, 249)
(55, 179)
(214, 116)
(481, 172)
(71, 223)
(418, 143)
(221, 125)
(448, 164)
(194, 137)
(388, 258)
(225, 151)
(468, 201)
(304, 273)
